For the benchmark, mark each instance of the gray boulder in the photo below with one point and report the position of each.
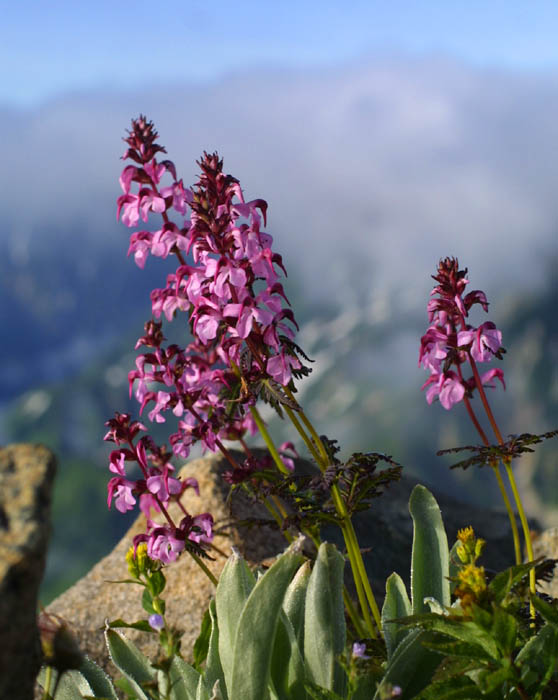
(26, 478)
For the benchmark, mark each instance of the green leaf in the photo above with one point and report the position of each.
(547, 611)
(234, 587)
(316, 692)
(454, 565)
(459, 688)
(412, 665)
(158, 582)
(98, 680)
(70, 687)
(540, 656)
(142, 625)
(459, 649)
(131, 662)
(213, 668)
(465, 630)
(295, 601)
(287, 665)
(324, 619)
(430, 557)
(202, 692)
(201, 645)
(503, 582)
(147, 602)
(504, 630)
(184, 680)
(256, 629)
(396, 605)
(490, 681)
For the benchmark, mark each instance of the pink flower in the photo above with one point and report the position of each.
(164, 546)
(447, 387)
(279, 367)
(485, 341)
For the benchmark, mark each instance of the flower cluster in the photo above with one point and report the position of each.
(156, 488)
(237, 309)
(450, 342)
(227, 283)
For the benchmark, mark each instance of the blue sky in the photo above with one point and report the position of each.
(61, 46)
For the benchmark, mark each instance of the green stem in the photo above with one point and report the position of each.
(511, 479)
(496, 469)
(48, 681)
(300, 430)
(268, 441)
(317, 440)
(511, 516)
(355, 619)
(525, 526)
(204, 568)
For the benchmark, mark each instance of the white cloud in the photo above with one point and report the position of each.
(386, 166)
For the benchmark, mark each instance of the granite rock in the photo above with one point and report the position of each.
(26, 479)
(384, 533)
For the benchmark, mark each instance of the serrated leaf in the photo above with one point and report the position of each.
(130, 662)
(324, 619)
(396, 605)
(235, 584)
(256, 629)
(142, 625)
(460, 649)
(457, 628)
(547, 611)
(540, 655)
(504, 630)
(430, 556)
(460, 688)
(503, 582)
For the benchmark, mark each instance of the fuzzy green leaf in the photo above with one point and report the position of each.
(287, 665)
(213, 668)
(295, 601)
(184, 680)
(131, 662)
(253, 645)
(396, 605)
(235, 584)
(324, 620)
(430, 557)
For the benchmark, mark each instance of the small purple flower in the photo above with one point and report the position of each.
(156, 622)
(359, 651)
